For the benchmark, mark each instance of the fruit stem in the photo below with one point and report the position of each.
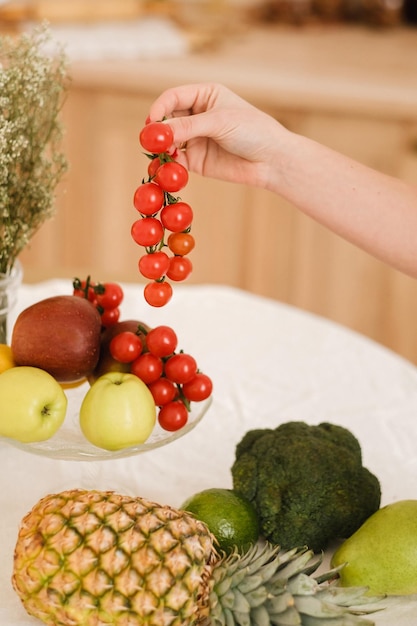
(142, 329)
(183, 399)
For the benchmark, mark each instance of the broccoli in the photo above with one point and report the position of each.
(307, 483)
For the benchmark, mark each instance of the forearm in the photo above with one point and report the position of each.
(372, 210)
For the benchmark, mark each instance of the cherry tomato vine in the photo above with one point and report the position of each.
(172, 376)
(165, 257)
(106, 297)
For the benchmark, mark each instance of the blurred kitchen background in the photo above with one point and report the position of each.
(343, 72)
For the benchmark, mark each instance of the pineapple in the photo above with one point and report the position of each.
(96, 558)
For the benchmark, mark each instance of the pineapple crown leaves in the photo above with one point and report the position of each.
(269, 586)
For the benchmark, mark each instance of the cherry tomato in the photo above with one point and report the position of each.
(80, 289)
(156, 137)
(173, 416)
(125, 347)
(163, 391)
(158, 293)
(180, 267)
(147, 367)
(198, 388)
(177, 216)
(161, 341)
(109, 317)
(148, 198)
(111, 297)
(180, 368)
(153, 166)
(171, 176)
(181, 243)
(147, 232)
(154, 265)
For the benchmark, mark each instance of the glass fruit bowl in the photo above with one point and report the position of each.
(69, 443)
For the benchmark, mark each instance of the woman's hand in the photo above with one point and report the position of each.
(226, 137)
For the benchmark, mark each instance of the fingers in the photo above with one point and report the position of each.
(174, 102)
(185, 100)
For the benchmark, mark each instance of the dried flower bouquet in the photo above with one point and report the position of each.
(33, 83)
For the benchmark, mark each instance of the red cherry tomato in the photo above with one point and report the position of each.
(171, 176)
(180, 368)
(198, 388)
(153, 166)
(78, 292)
(156, 137)
(177, 216)
(163, 391)
(179, 268)
(125, 347)
(161, 341)
(148, 198)
(147, 367)
(111, 297)
(173, 416)
(81, 290)
(109, 317)
(154, 265)
(158, 293)
(147, 232)
(181, 243)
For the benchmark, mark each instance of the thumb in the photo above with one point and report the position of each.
(199, 125)
(182, 128)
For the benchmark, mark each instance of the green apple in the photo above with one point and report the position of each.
(32, 404)
(382, 553)
(118, 411)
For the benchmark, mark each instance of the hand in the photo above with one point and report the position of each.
(226, 137)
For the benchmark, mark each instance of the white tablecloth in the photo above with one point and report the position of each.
(270, 363)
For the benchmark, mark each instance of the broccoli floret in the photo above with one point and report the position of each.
(307, 483)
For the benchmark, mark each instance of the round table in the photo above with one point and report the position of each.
(270, 363)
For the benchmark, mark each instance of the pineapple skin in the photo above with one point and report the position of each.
(98, 558)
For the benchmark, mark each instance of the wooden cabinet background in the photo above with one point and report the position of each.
(351, 88)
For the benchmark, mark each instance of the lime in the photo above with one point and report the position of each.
(230, 517)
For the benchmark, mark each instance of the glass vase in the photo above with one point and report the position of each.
(9, 285)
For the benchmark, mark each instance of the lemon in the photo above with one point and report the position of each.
(230, 517)
(6, 357)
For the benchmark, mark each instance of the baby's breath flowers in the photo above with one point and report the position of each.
(33, 83)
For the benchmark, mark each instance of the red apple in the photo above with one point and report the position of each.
(60, 335)
(106, 362)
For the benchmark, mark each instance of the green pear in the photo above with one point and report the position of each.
(382, 553)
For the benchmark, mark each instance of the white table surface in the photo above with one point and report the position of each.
(270, 363)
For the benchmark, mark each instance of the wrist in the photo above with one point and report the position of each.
(277, 160)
